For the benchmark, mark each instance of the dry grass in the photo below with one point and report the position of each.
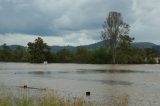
(50, 98)
(47, 98)
(5, 97)
(119, 101)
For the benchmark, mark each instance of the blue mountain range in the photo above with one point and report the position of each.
(97, 45)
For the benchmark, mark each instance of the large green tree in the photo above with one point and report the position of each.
(38, 51)
(114, 26)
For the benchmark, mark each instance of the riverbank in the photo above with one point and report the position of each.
(50, 98)
(44, 98)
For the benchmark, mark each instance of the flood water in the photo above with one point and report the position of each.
(141, 83)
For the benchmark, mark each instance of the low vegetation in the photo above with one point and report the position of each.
(50, 98)
(44, 99)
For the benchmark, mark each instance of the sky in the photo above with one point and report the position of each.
(75, 22)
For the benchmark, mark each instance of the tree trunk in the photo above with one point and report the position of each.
(114, 54)
(113, 49)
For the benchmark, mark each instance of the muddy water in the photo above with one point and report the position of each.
(141, 83)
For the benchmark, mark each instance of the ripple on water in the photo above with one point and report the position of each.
(85, 71)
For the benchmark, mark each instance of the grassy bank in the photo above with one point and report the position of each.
(45, 99)
(50, 98)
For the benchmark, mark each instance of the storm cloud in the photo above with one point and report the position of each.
(74, 22)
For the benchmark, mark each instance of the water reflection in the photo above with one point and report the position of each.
(39, 72)
(113, 82)
(76, 75)
(85, 71)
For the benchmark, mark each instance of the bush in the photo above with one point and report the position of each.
(151, 61)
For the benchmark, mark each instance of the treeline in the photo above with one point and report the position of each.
(20, 54)
(38, 52)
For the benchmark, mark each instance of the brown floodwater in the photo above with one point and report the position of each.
(141, 83)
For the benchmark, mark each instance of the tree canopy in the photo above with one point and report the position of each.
(38, 51)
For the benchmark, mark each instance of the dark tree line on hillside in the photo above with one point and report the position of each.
(38, 51)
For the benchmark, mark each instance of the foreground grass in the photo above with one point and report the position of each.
(48, 98)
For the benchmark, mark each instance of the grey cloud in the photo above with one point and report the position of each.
(54, 16)
(65, 17)
(146, 26)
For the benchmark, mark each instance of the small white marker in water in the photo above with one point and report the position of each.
(45, 62)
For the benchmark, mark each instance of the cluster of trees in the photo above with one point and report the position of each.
(116, 31)
(18, 55)
(38, 51)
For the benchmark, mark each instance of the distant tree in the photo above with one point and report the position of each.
(64, 56)
(114, 26)
(151, 61)
(125, 41)
(137, 55)
(52, 58)
(20, 54)
(150, 53)
(101, 56)
(38, 51)
(128, 54)
(6, 53)
(82, 55)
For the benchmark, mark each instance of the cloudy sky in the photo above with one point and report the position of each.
(74, 22)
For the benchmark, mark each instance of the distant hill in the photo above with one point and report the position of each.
(143, 44)
(157, 48)
(13, 47)
(58, 48)
(102, 43)
(94, 45)
(99, 44)
(73, 48)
